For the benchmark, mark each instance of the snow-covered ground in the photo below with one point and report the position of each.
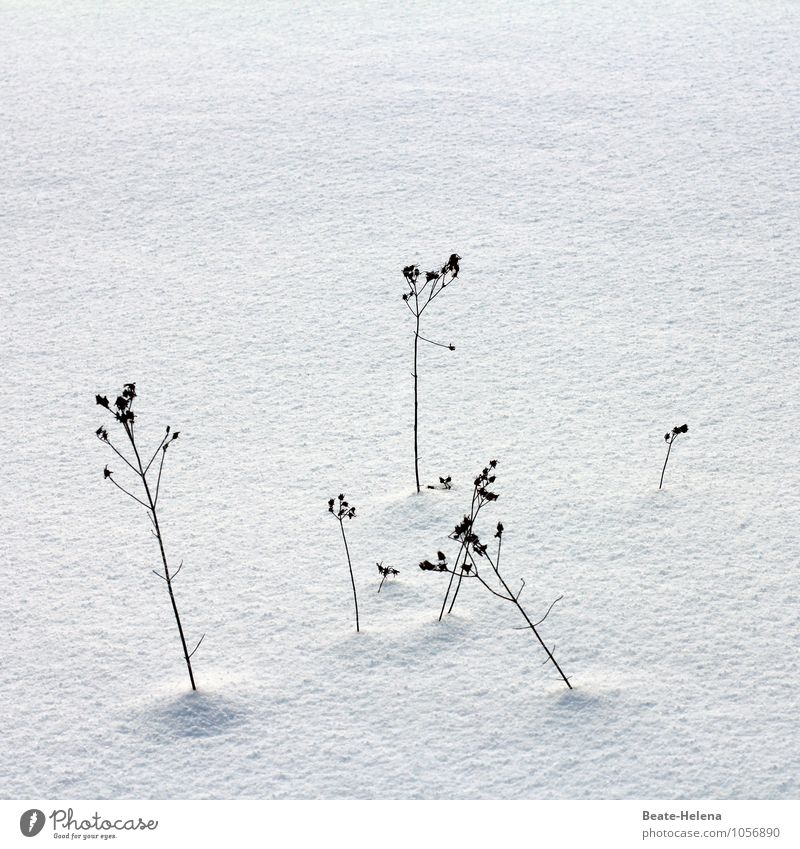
(215, 200)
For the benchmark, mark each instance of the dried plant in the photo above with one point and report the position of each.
(421, 293)
(669, 438)
(472, 551)
(340, 512)
(385, 572)
(447, 483)
(122, 411)
(481, 496)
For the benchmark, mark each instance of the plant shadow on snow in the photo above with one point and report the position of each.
(414, 508)
(421, 640)
(597, 696)
(574, 701)
(194, 714)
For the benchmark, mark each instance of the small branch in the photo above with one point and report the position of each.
(177, 572)
(418, 292)
(197, 646)
(156, 452)
(548, 610)
(493, 591)
(438, 344)
(130, 494)
(158, 574)
(436, 292)
(160, 467)
(120, 455)
(522, 587)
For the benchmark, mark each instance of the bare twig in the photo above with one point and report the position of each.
(120, 454)
(548, 610)
(155, 453)
(438, 344)
(129, 494)
(197, 646)
(160, 469)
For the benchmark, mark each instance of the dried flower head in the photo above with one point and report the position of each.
(343, 510)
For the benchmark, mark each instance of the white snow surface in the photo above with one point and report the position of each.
(215, 200)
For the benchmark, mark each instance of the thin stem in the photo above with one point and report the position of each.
(455, 565)
(458, 583)
(438, 344)
(152, 508)
(130, 494)
(473, 514)
(146, 468)
(548, 610)
(350, 566)
(450, 583)
(381, 583)
(436, 292)
(120, 455)
(416, 401)
(473, 573)
(436, 287)
(477, 574)
(458, 587)
(669, 448)
(160, 469)
(197, 646)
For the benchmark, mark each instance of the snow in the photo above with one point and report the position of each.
(216, 203)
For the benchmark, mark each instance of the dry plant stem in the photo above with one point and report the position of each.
(473, 550)
(473, 514)
(666, 459)
(350, 566)
(437, 286)
(455, 565)
(532, 626)
(151, 506)
(515, 600)
(416, 397)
